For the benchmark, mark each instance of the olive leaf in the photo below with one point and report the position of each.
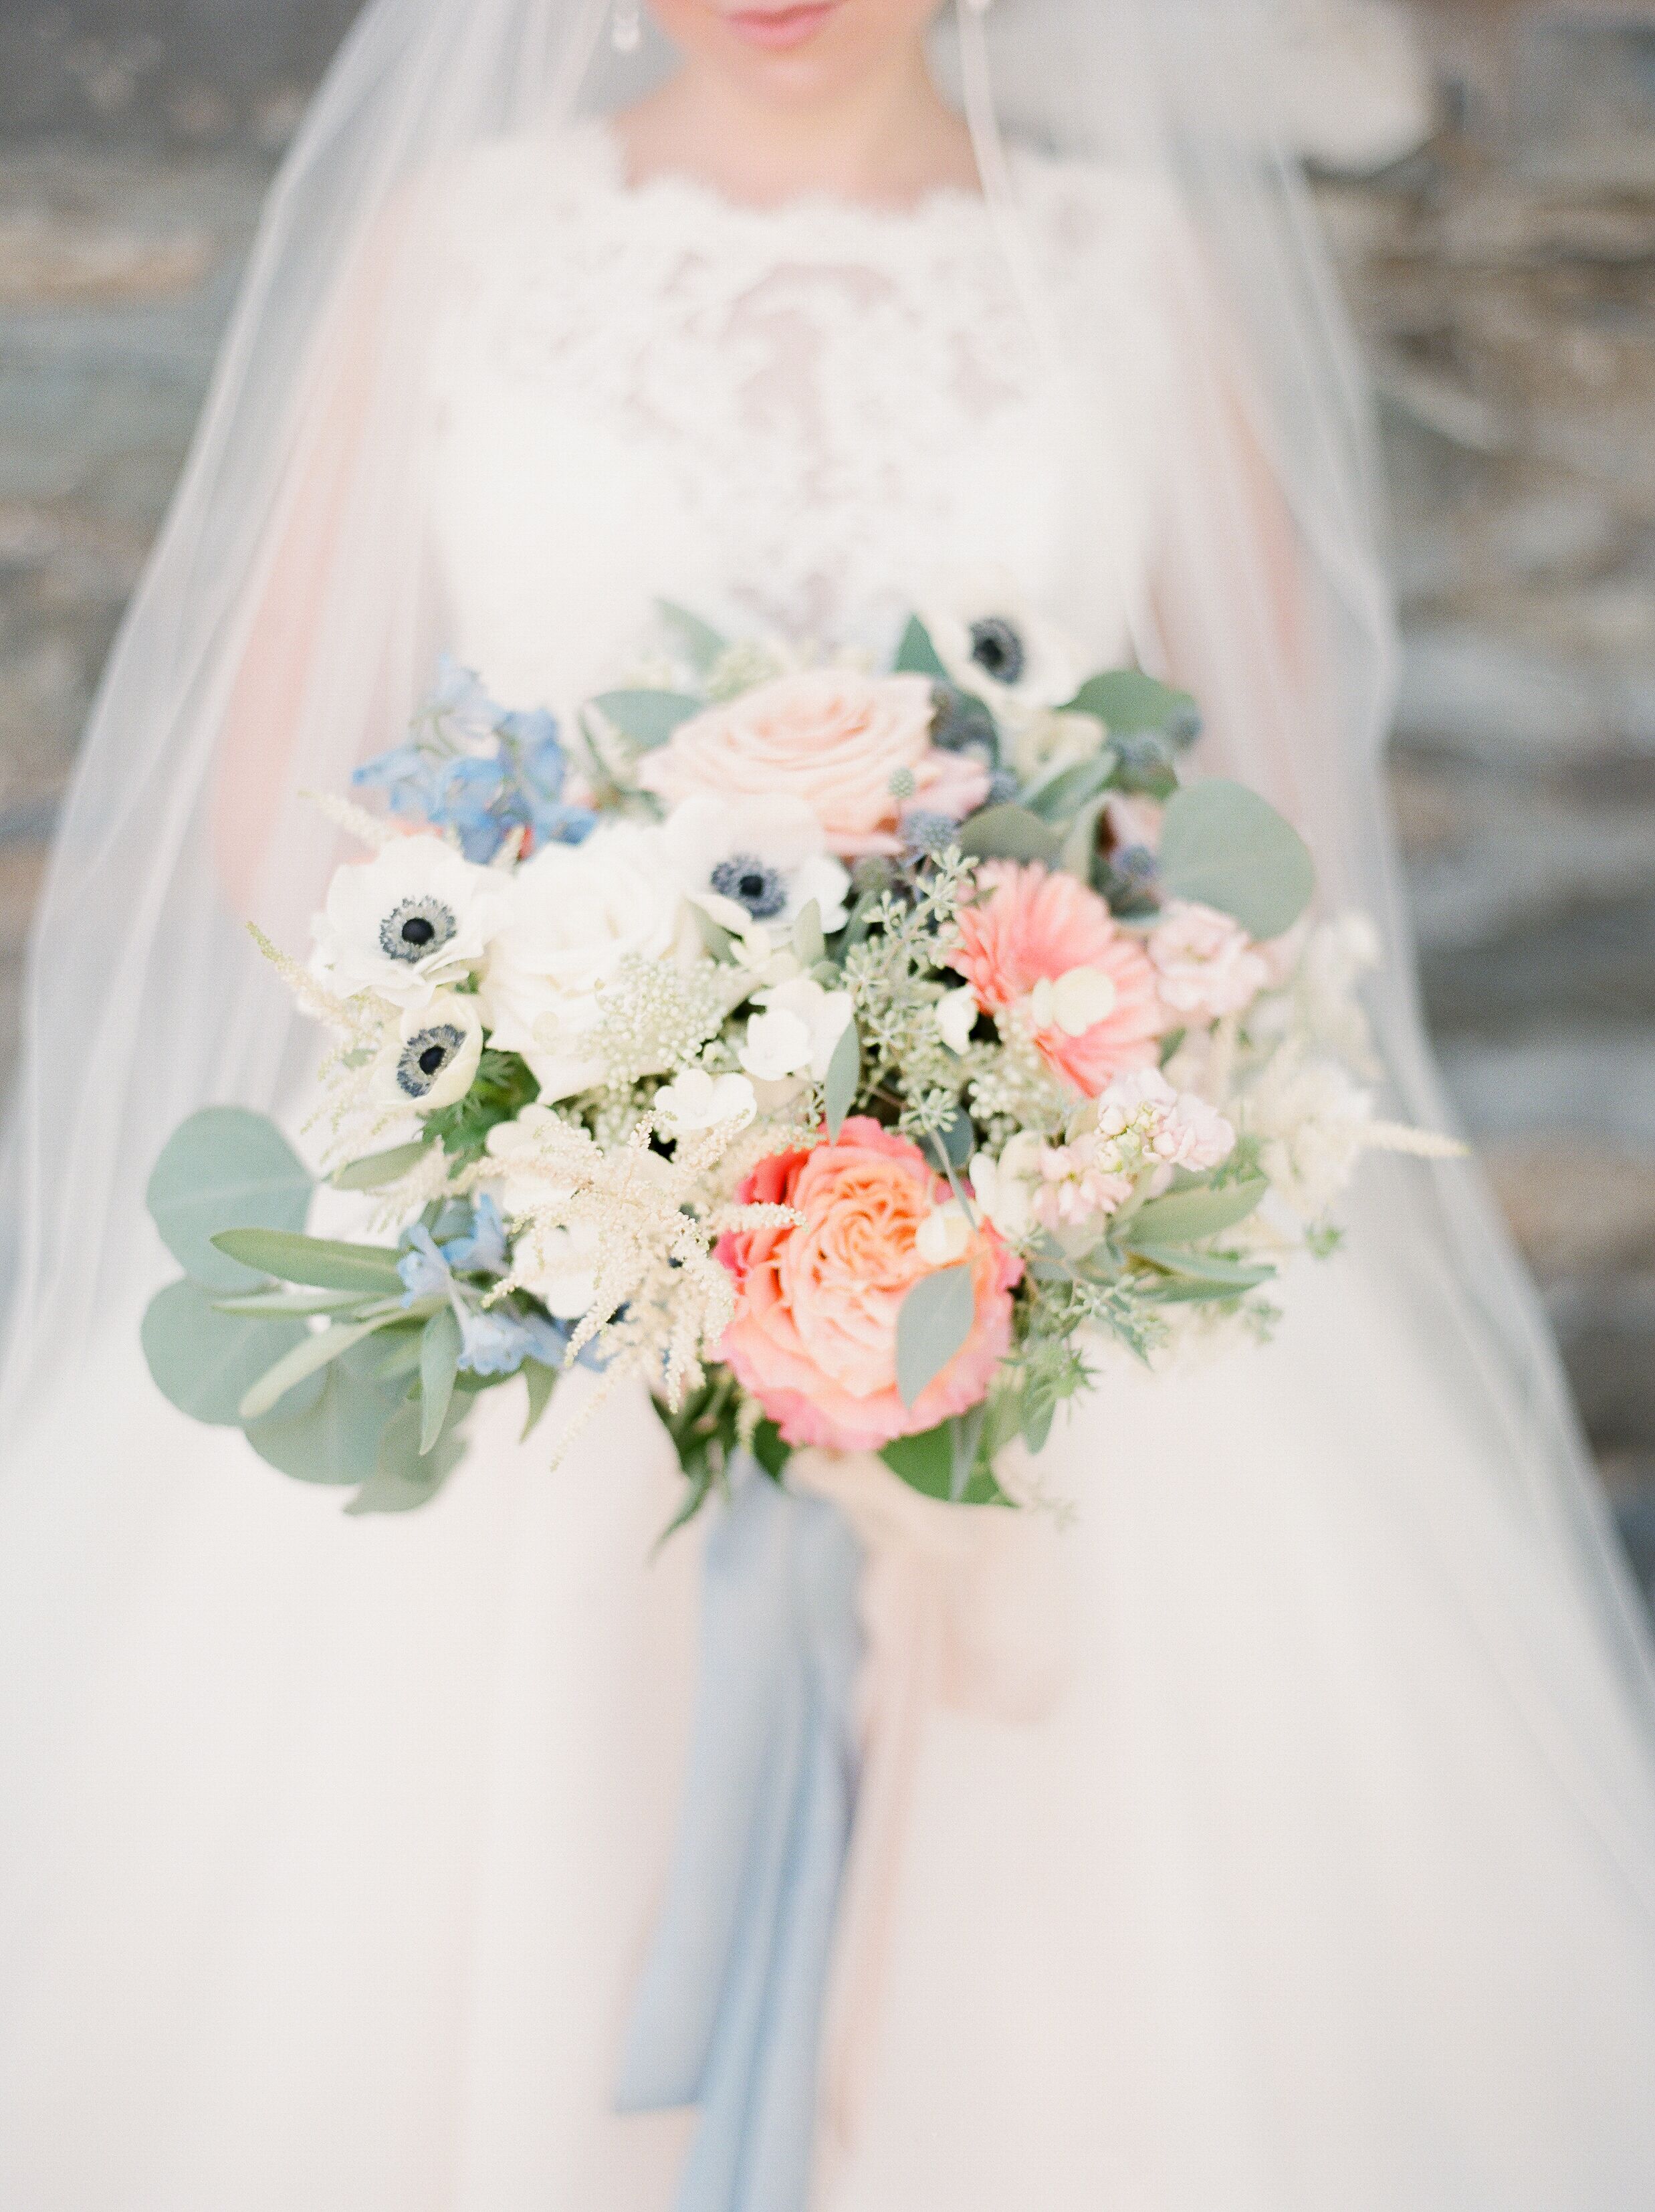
(1183, 1216)
(440, 1360)
(932, 1328)
(317, 1261)
(305, 1359)
(380, 1169)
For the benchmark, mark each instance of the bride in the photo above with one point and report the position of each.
(1287, 1837)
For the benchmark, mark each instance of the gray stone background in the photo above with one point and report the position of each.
(1503, 281)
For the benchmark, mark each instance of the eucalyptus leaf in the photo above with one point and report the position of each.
(701, 643)
(317, 1261)
(305, 1359)
(1225, 847)
(951, 1147)
(648, 718)
(542, 1381)
(403, 1477)
(843, 1078)
(440, 1360)
(1126, 699)
(1183, 1216)
(205, 1361)
(336, 1443)
(397, 1356)
(380, 1169)
(1010, 833)
(916, 655)
(931, 1328)
(1060, 797)
(225, 1168)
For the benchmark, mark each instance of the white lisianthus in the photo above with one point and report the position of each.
(766, 857)
(575, 914)
(944, 1236)
(995, 646)
(796, 1032)
(1006, 1188)
(432, 1059)
(412, 920)
(956, 1017)
(1075, 1002)
(1312, 1119)
(698, 1100)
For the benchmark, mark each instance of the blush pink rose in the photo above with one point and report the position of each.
(1031, 927)
(814, 1335)
(831, 737)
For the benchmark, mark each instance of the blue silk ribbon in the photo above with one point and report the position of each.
(728, 2015)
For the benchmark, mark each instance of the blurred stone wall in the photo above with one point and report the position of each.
(1504, 279)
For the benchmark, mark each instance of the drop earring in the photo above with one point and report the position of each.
(626, 27)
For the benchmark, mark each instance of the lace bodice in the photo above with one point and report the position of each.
(803, 420)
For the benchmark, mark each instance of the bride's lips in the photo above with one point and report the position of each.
(779, 28)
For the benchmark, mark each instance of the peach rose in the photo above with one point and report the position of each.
(1033, 929)
(815, 1335)
(831, 737)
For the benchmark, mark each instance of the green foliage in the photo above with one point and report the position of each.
(440, 1360)
(932, 1327)
(336, 1443)
(1183, 1217)
(225, 1168)
(306, 1358)
(932, 1462)
(648, 718)
(380, 1169)
(408, 1473)
(502, 1087)
(1224, 846)
(701, 644)
(843, 1078)
(1010, 833)
(205, 1361)
(1126, 699)
(1060, 797)
(916, 655)
(319, 1260)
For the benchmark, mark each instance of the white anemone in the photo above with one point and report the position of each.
(995, 646)
(433, 1063)
(412, 920)
(767, 856)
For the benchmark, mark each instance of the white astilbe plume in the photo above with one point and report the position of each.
(359, 1021)
(662, 1300)
(373, 830)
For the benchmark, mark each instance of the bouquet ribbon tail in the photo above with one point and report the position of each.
(728, 2011)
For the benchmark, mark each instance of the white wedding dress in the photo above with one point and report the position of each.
(330, 1848)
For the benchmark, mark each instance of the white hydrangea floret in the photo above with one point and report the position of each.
(412, 920)
(698, 1100)
(797, 1030)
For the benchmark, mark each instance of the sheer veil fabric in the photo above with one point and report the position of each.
(290, 618)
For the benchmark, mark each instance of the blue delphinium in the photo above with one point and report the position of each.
(423, 1267)
(469, 766)
(498, 1342)
(483, 1252)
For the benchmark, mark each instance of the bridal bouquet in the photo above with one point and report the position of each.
(846, 1053)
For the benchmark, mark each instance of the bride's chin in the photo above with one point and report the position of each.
(794, 49)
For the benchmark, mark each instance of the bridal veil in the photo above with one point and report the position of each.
(289, 620)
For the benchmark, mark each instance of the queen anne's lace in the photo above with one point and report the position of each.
(832, 405)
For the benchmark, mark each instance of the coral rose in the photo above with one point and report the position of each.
(832, 736)
(1048, 941)
(815, 1335)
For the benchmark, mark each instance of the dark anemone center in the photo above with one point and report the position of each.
(744, 878)
(432, 1059)
(417, 927)
(997, 648)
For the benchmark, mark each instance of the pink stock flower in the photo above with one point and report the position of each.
(1034, 927)
(814, 1339)
(1207, 965)
(832, 736)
